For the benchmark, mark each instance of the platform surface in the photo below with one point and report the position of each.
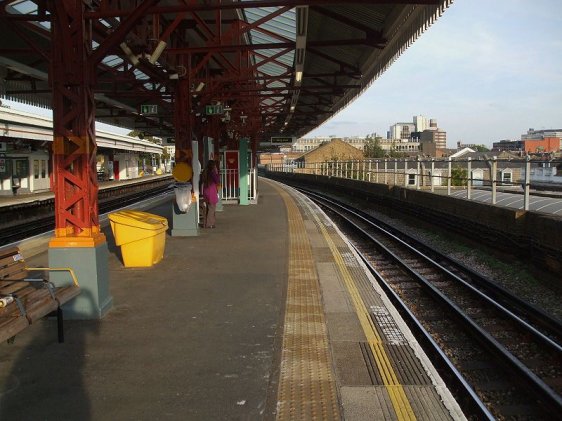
(202, 335)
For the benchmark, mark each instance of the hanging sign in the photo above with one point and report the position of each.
(214, 109)
(149, 109)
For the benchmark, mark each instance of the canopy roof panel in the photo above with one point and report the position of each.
(278, 67)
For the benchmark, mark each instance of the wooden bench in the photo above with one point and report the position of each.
(24, 299)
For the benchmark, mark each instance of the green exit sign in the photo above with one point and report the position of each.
(149, 109)
(214, 109)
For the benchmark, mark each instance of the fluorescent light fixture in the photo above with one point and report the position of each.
(200, 87)
(299, 56)
(301, 20)
(157, 52)
(132, 58)
(126, 48)
(298, 76)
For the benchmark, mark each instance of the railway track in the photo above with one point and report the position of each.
(501, 356)
(42, 219)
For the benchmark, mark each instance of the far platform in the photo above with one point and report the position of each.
(18, 198)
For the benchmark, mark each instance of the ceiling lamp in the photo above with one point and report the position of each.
(157, 52)
(129, 53)
(300, 41)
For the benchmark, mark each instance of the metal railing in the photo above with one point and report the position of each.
(439, 175)
(230, 190)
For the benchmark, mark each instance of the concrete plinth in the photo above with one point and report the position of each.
(185, 224)
(90, 264)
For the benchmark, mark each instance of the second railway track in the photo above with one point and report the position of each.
(29, 219)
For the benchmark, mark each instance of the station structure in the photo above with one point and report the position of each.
(214, 75)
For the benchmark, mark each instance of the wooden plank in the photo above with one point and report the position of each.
(14, 272)
(40, 307)
(7, 255)
(11, 263)
(8, 316)
(13, 328)
(19, 288)
(66, 294)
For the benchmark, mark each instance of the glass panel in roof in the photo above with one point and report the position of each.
(283, 25)
(113, 61)
(25, 7)
(28, 7)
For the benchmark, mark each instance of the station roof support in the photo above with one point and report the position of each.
(74, 147)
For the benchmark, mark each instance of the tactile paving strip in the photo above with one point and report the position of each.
(382, 370)
(307, 387)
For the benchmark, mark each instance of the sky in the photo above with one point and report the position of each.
(486, 70)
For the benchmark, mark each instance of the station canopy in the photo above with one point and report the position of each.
(274, 68)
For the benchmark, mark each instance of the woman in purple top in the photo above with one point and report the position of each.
(210, 182)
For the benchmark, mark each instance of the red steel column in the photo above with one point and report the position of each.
(183, 121)
(74, 146)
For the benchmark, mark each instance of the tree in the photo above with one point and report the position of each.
(372, 148)
(481, 148)
(459, 176)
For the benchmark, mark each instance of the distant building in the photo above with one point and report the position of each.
(420, 136)
(436, 136)
(277, 158)
(508, 145)
(542, 140)
(548, 144)
(533, 134)
(336, 150)
(461, 145)
(534, 141)
(307, 144)
(401, 132)
(423, 123)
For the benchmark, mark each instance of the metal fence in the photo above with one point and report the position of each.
(441, 175)
(230, 190)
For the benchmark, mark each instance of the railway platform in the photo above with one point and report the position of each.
(268, 316)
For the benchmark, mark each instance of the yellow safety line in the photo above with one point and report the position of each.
(395, 390)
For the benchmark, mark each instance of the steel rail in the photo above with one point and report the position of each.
(23, 229)
(447, 368)
(535, 316)
(532, 381)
